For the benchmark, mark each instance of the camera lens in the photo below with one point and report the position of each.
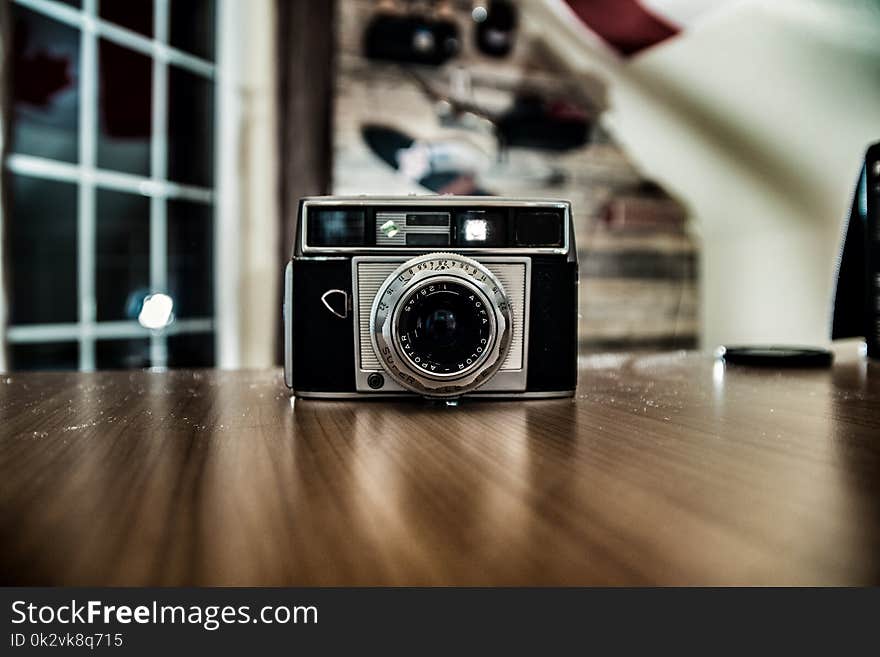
(441, 324)
(444, 327)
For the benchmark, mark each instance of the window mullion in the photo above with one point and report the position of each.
(159, 172)
(86, 212)
(40, 167)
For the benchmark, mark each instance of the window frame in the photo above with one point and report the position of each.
(85, 174)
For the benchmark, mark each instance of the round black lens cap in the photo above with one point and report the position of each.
(775, 356)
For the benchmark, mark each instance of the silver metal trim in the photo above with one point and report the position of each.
(512, 381)
(385, 314)
(361, 396)
(504, 380)
(377, 268)
(287, 312)
(344, 313)
(402, 228)
(542, 394)
(434, 201)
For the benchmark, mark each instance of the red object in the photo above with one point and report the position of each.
(625, 25)
(39, 76)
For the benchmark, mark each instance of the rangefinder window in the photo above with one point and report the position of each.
(481, 228)
(336, 227)
(538, 228)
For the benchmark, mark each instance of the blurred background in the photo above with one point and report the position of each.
(154, 152)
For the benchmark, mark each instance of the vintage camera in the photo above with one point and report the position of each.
(438, 296)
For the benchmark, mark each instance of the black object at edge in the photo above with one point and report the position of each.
(848, 303)
(857, 290)
(776, 356)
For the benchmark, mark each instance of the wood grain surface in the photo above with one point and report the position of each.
(665, 469)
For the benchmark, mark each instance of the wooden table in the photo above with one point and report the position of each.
(665, 469)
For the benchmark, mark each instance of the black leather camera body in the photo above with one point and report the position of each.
(436, 296)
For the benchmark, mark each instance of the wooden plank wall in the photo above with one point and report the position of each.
(639, 284)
